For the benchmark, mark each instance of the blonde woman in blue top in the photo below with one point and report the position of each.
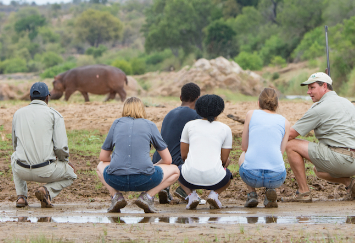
(264, 140)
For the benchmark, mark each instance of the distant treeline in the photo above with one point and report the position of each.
(156, 35)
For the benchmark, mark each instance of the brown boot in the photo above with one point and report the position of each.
(43, 196)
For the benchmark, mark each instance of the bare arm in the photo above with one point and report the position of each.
(224, 157)
(245, 136)
(184, 148)
(105, 156)
(165, 157)
(293, 134)
(285, 139)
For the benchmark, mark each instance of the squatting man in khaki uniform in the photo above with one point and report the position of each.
(41, 149)
(333, 120)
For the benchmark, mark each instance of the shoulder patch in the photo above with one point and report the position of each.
(56, 112)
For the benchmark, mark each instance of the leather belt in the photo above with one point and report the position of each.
(346, 151)
(34, 166)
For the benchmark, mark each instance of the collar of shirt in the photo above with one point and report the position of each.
(324, 97)
(38, 102)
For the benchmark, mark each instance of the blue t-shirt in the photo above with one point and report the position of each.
(130, 140)
(266, 132)
(171, 130)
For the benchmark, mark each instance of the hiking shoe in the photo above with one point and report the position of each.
(351, 188)
(117, 202)
(252, 200)
(213, 200)
(42, 194)
(299, 197)
(192, 201)
(270, 198)
(165, 196)
(145, 203)
(180, 193)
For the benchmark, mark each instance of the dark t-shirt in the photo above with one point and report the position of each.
(171, 130)
(129, 140)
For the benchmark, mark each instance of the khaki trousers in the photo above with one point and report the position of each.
(57, 175)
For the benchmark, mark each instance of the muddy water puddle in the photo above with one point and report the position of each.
(187, 220)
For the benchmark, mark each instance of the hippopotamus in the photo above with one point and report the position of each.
(95, 79)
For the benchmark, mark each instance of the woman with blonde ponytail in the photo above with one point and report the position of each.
(264, 140)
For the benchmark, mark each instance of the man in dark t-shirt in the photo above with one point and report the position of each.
(171, 130)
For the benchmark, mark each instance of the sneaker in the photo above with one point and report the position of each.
(270, 198)
(145, 203)
(180, 193)
(252, 200)
(192, 201)
(299, 197)
(165, 196)
(117, 202)
(213, 200)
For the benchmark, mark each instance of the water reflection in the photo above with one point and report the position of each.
(186, 220)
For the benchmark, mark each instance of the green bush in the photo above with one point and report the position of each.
(49, 59)
(157, 57)
(34, 66)
(85, 60)
(138, 66)
(123, 65)
(14, 65)
(96, 51)
(278, 61)
(251, 61)
(55, 70)
(275, 76)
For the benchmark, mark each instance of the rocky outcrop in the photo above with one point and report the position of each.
(218, 73)
(6, 92)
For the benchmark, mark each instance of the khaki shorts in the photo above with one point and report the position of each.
(326, 160)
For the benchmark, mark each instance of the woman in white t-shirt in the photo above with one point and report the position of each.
(205, 147)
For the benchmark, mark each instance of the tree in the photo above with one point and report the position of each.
(300, 16)
(219, 39)
(176, 24)
(30, 24)
(270, 9)
(96, 27)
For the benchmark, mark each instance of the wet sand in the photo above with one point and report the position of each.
(89, 222)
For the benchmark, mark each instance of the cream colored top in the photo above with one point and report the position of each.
(38, 134)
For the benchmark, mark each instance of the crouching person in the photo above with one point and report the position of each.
(41, 149)
(205, 147)
(125, 162)
(264, 141)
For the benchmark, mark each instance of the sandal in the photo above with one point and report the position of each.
(299, 197)
(351, 188)
(21, 205)
(44, 198)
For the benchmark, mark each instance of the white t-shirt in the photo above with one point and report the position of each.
(203, 165)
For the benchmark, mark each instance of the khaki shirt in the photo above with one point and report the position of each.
(38, 134)
(332, 119)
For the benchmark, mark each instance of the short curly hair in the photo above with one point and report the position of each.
(190, 92)
(209, 106)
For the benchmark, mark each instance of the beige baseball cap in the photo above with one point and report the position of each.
(323, 77)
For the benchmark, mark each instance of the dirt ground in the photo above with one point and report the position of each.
(90, 199)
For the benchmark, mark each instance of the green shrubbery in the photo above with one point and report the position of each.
(96, 51)
(251, 61)
(138, 66)
(123, 65)
(14, 65)
(55, 70)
